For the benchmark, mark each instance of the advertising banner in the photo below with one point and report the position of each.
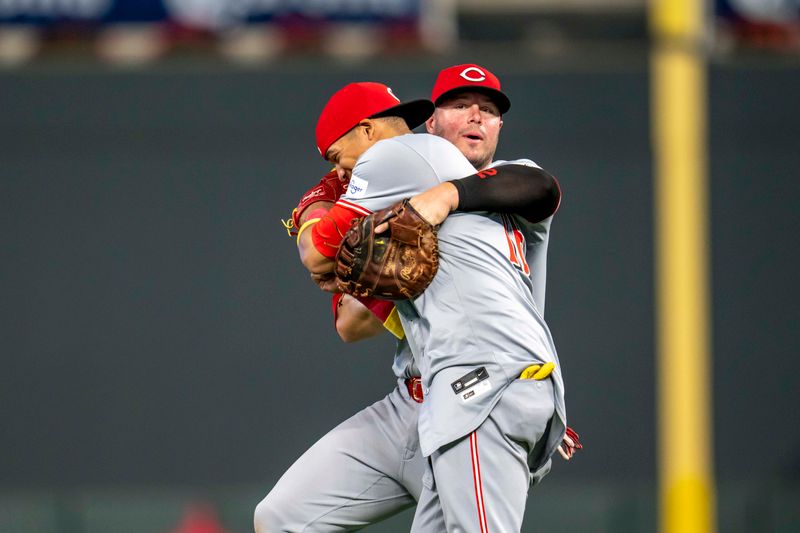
(205, 14)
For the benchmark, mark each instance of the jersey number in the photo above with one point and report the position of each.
(516, 245)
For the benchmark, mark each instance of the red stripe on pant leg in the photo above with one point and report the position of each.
(476, 478)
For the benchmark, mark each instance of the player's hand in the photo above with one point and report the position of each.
(433, 205)
(326, 281)
(570, 444)
(321, 196)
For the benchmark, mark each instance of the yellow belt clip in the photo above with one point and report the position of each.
(538, 372)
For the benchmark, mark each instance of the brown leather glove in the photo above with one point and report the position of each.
(396, 264)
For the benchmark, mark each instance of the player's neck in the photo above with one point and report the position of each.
(387, 131)
(484, 166)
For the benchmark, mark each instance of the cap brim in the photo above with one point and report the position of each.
(500, 99)
(415, 112)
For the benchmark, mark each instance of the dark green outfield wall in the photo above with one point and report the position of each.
(157, 329)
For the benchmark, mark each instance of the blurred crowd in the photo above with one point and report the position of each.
(256, 31)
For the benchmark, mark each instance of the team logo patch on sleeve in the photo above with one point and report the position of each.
(472, 385)
(357, 188)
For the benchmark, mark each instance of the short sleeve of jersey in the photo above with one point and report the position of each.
(400, 167)
(526, 162)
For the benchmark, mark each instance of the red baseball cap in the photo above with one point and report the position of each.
(470, 77)
(357, 101)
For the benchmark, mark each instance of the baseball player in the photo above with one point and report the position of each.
(369, 467)
(353, 470)
(372, 463)
(477, 333)
(460, 94)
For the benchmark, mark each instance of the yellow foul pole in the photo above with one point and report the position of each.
(678, 108)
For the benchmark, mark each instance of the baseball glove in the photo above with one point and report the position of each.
(397, 264)
(329, 189)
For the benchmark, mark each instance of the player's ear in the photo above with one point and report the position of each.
(367, 127)
(429, 123)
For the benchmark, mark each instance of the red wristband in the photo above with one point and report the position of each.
(327, 234)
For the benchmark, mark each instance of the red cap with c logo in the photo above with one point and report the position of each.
(357, 101)
(469, 77)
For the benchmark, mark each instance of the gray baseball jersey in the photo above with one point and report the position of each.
(404, 365)
(487, 434)
(477, 326)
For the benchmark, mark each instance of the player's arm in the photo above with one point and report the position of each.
(362, 317)
(523, 190)
(314, 261)
(386, 173)
(513, 188)
(313, 206)
(315, 202)
(318, 245)
(354, 320)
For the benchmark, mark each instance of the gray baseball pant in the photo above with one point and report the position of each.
(366, 469)
(479, 483)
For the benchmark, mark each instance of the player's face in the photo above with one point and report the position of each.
(344, 153)
(472, 122)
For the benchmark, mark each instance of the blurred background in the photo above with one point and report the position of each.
(165, 357)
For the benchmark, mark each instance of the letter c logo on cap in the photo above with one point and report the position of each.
(466, 74)
(389, 90)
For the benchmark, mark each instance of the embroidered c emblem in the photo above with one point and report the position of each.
(466, 74)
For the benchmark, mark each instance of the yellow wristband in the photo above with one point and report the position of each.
(305, 225)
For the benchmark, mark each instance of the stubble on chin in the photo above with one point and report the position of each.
(476, 157)
(479, 161)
